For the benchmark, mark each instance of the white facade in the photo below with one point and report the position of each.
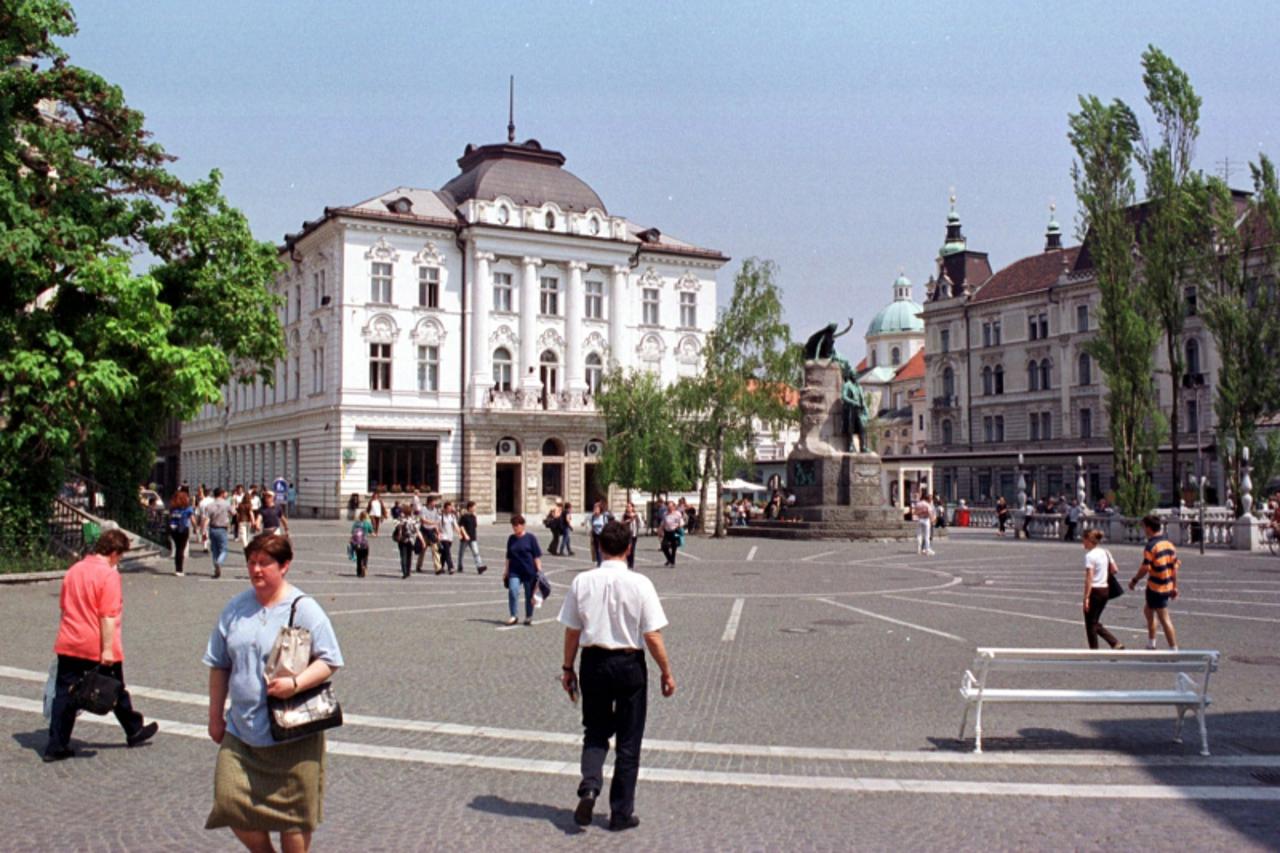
(425, 335)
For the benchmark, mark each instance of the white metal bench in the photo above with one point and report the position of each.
(1190, 690)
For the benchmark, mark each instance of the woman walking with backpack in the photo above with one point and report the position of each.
(1098, 568)
(179, 525)
(360, 533)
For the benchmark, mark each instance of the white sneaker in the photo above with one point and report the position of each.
(929, 553)
(1151, 645)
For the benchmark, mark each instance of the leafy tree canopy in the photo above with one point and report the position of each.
(93, 355)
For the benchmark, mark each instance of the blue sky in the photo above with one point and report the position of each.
(825, 136)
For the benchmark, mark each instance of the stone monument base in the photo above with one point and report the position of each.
(837, 497)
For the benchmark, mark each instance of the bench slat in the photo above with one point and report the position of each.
(1107, 697)
(1098, 665)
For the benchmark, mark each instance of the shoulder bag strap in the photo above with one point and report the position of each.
(293, 610)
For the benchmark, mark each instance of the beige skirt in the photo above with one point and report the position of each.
(269, 788)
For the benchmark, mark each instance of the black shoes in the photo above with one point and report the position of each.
(144, 734)
(51, 755)
(618, 823)
(582, 814)
(481, 570)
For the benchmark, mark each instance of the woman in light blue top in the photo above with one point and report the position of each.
(262, 785)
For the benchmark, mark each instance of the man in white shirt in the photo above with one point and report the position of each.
(612, 613)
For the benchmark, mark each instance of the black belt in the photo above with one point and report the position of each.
(601, 651)
(217, 527)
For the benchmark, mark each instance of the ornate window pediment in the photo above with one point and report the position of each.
(550, 339)
(688, 351)
(651, 348)
(503, 336)
(689, 281)
(381, 329)
(651, 278)
(429, 332)
(595, 341)
(316, 332)
(382, 251)
(429, 256)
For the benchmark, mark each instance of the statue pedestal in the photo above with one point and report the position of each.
(838, 494)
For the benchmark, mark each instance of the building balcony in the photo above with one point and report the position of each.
(948, 401)
(539, 401)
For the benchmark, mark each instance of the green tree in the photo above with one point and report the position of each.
(1242, 312)
(643, 448)
(94, 357)
(749, 361)
(1104, 137)
(1172, 237)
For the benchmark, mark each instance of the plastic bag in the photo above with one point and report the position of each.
(50, 688)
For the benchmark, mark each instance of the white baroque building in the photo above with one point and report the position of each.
(451, 341)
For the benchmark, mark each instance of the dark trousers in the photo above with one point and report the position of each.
(1092, 627)
(406, 558)
(1070, 535)
(446, 554)
(362, 561)
(631, 554)
(670, 544)
(595, 547)
(63, 714)
(614, 702)
(179, 538)
(554, 547)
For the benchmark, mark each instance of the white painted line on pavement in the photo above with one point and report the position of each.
(849, 784)
(751, 555)
(878, 756)
(818, 556)
(894, 621)
(1007, 612)
(489, 602)
(731, 628)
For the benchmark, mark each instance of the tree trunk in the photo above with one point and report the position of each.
(701, 526)
(1175, 387)
(719, 477)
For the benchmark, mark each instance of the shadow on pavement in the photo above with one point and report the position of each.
(561, 819)
(1234, 733)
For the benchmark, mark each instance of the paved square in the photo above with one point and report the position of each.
(817, 707)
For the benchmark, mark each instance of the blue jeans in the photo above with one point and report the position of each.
(218, 547)
(566, 546)
(474, 548)
(513, 592)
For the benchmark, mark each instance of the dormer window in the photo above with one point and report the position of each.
(503, 214)
(551, 221)
(593, 225)
(400, 205)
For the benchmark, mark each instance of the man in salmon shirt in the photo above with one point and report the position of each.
(89, 636)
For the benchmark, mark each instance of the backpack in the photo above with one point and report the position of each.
(399, 533)
(358, 539)
(179, 520)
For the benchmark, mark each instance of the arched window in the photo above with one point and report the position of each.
(999, 379)
(873, 357)
(1044, 375)
(595, 372)
(948, 382)
(553, 447)
(1193, 356)
(549, 371)
(895, 356)
(946, 432)
(502, 369)
(1033, 376)
(1084, 366)
(988, 387)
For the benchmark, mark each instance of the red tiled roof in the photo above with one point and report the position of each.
(916, 394)
(862, 365)
(1028, 275)
(785, 393)
(913, 369)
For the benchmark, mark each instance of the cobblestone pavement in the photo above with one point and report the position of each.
(817, 708)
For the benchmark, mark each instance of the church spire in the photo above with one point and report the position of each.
(1052, 234)
(511, 110)
(955, 241)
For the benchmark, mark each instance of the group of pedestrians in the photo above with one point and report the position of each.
(211, 518)
(1160, 567)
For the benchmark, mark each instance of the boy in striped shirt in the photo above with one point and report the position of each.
(1160, 565)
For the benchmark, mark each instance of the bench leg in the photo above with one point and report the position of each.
(1204, 733)
(1177, 726)
(964, 720)
(977, 730)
